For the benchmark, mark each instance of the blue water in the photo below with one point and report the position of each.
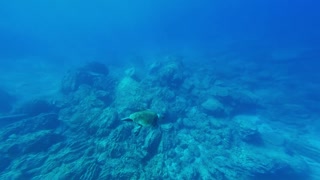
(235, 85)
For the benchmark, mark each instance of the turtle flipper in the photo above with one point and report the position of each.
(136, 130)
(126, 119)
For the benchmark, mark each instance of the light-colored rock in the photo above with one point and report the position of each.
(213, 107)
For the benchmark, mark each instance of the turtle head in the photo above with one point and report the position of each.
(160, 116)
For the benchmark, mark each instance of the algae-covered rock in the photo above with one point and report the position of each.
(252, 163)
(195, 119)
(238, 101)
(248, 129)
(103, 122)
(94, 74)
(73, 79)
(151, 143)
(39, 141)
(213, 107)
(92, 171)
(132, 73)
(170, 71)
(41, 122)
(130, 95)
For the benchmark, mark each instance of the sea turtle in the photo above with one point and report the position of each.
(143, 118)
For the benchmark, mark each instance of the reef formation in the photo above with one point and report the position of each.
(213, 127)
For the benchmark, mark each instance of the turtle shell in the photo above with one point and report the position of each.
(145, 118)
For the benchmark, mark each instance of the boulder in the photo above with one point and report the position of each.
(168, 72)
(213, 107)
(7, 101)
(94, 74)
(248, 129)
(36, 106)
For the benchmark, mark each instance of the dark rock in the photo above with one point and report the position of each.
(6, 101)
(45, 121)
(8, 119)
(94, 74)
(30, 143)
(14, 150)
(306, 147)
(104, 96)
(186, 122)
(247, 128)
(213, 107)
(195, 119)
(191, 173)
(251, 136)
(92, 172)
(280, 170)
(30, 166)
(105, 83)
(169, 71)
(36, 107)
(41, 142)
(116, 151)
(120, 133)
(151, 143)
(96, 67)
(5, 162)
(73, 79)
(29, 125)
(108, 122)
(239, 102)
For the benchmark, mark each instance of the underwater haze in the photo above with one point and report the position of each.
(165, 89)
